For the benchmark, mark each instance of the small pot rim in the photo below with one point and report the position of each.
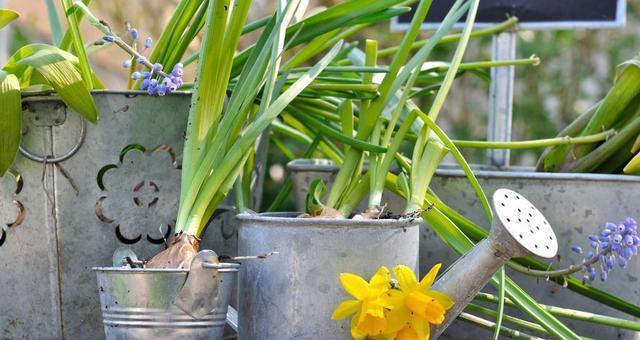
(222, 267)
(290, 218)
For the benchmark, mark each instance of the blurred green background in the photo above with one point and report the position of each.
(576, 70)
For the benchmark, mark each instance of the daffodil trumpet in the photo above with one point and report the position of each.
(400, 308)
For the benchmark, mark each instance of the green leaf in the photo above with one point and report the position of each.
(463, 163)
(500, 313)
(73, 23)
(314, 205)
(64, 77)
(54, 23)
(7, 16)
(10, 108)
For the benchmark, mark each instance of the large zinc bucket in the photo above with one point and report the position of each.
(575, 204)
(293, 295)
(138, 303)
(103, 186)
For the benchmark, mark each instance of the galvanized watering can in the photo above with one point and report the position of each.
(518, 229)
(140, 303)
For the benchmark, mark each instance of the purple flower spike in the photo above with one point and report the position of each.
(603, 276)
(161, 90)
(617, 238)
(628, 240)
(593, 237)
(145, 84)
(576, 249)
(592, 276)
(622, 262)
(610, 262)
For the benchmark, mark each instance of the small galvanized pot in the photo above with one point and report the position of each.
(293, 295)
(138, 303)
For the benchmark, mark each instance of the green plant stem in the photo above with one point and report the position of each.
(604, 151)
(95, 22)
(512, 333)
(599, 137)
(512, 320)
(485, 32)
(573, 314)
(500, 313)
(531, 61)
(65, 44)
(78, 46)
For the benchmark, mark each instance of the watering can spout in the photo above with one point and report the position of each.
(518, 229)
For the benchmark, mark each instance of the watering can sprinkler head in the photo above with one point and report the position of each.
(518, 229)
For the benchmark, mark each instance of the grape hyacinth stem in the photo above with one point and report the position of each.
(572, 269)
(115, 39)
(615, 244)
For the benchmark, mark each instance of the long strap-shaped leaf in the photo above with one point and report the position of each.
(63, 76)
(73, 23)
(463, 163)
(7, 16)
(10, 109)
(246, 141)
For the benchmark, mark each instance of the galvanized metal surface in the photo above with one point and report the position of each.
(517, 230)
(138, 303)
(575, 204)
(501, 97)
(120, 187)
(292, 295)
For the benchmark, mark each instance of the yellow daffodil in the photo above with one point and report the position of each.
(414, 306)
(369, 304)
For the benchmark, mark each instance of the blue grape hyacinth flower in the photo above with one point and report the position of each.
(614, 244)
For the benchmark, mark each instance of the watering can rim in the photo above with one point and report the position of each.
(290, 218)
(222, 266)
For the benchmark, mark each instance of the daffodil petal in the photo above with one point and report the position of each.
(345, 309)
(396, 319)
(354, 285)
(407, 333)
(421, 327)
(428, 279)
(355, 332)
(406, 278)
(372, 325)
(442, 298)
(393, 299)
(380, 281)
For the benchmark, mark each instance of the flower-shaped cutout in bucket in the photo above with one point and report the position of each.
(140, 194)
(11, 209)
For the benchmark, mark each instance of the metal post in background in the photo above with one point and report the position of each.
(4, 40)
(501, 97)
